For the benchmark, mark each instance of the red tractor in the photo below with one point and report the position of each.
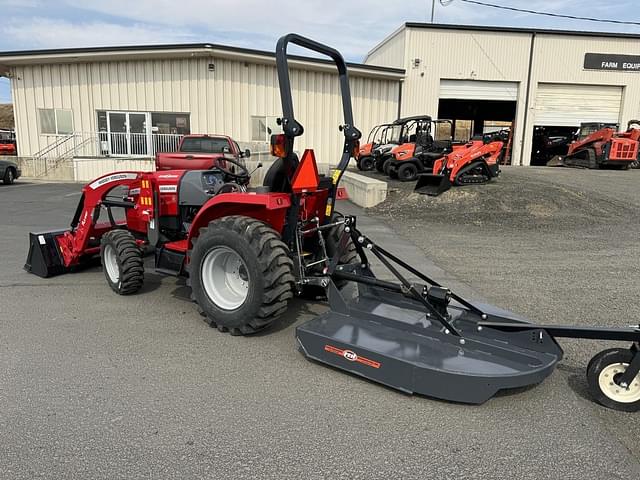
(247, 251)
(599, 145)
(475, 163)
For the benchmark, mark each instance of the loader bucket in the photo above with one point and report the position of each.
(433, 185)
(44, 258)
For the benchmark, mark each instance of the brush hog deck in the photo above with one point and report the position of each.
(394, 342)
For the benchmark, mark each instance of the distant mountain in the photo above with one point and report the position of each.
(6, 115)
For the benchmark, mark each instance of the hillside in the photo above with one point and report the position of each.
(6, 115)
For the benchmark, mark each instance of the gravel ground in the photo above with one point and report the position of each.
(556, 245)
(98, 386)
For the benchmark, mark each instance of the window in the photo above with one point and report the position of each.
(55, 121)
(170, 123)
(205, 144)
(262, 127)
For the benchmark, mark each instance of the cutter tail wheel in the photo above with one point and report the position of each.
(241, 274)
(606, 385)
(122, 262)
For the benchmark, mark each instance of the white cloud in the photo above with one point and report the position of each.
(46, 33)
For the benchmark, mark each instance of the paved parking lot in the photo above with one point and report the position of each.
(93, 385)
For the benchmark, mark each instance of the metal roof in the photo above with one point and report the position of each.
(59, 55)
(537, 31)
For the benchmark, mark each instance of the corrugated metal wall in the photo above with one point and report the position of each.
(504, 56)
(220, 101)
(390, 53)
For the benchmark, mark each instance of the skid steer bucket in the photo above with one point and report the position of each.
(431, 184)
(44, 258)
(556, 161)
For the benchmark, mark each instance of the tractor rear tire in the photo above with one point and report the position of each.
(122, 262)
(241, 274)
(407, 172)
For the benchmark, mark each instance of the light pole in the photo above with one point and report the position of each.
(433, 9)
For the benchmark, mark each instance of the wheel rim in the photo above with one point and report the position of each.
(111, 263)
(609, 386)
(225, 278)
(10, 176)
(408, 174)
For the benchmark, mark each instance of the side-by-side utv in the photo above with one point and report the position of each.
(247, 251)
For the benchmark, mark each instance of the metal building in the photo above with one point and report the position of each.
(75, 105)
(487, 77)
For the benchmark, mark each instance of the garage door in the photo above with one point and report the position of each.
(478, 90)
(565, 105)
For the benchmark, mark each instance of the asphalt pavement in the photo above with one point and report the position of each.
(94, 385)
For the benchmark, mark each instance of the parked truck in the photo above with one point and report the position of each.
(201, 152)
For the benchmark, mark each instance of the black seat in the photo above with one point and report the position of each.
(277, 177)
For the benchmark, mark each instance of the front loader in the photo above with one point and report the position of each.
(247, 251)
(600, 145)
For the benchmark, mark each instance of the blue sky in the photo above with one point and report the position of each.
(353, 26)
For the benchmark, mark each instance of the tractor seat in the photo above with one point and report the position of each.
(277, 179)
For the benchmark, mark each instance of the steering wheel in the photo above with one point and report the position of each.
(241, 177)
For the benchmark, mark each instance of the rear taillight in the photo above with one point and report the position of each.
(279, 145)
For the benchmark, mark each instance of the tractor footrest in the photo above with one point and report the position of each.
(169, 262)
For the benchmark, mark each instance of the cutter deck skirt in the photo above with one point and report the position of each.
(394, 343)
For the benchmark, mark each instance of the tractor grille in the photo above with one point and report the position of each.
(624, 151)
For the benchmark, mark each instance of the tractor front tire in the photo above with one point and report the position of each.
(122, 262)
(241, 274)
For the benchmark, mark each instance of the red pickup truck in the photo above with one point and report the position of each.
(201, 152)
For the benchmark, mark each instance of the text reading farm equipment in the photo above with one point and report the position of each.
(247, 251)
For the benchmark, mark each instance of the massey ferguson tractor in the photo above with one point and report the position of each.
(600, 145)
(247, 251)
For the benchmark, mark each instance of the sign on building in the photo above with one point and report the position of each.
(612, 61)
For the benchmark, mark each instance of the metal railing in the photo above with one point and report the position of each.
(60, 150)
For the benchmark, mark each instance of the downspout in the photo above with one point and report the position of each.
(526, 100)
(400, 97)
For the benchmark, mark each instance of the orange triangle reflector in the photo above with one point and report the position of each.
(306, 175)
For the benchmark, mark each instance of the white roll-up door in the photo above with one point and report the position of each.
(569, 105)
(478, 90)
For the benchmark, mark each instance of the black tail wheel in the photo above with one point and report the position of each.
(603, 376)
(365, 164)
(122, 262)
(241, 274)
(407, 172)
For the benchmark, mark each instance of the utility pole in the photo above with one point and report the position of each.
(433, 9)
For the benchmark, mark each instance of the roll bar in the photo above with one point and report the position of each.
(290, 125)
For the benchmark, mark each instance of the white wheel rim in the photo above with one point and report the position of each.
(614, 391)
(111, 263)
(10, 176)
(225, 278)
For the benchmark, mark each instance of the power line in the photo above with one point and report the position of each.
(444, 3)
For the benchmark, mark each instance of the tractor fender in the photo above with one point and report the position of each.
(270, 208)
